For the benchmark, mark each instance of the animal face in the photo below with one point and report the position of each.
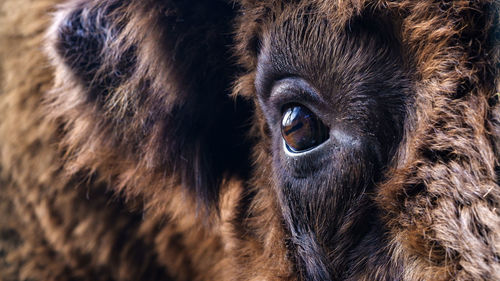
(334, 102)
(363, 115)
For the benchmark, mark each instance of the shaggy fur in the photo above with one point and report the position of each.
(124, 157)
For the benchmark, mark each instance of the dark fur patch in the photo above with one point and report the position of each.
(83, 38)
(204, 128)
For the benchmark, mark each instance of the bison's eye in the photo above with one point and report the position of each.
(301, 129)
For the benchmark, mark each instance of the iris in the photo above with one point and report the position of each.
(301, 129)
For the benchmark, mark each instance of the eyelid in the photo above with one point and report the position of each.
(295, 90)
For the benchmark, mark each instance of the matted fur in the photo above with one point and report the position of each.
(122, 156)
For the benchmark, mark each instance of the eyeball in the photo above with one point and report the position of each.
(301, 129)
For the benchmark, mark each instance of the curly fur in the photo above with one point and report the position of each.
(124, 157)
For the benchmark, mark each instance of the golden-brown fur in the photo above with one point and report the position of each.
(100, 181)
(442, 223)
(52, 228)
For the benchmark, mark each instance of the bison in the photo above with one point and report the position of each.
(249, 140)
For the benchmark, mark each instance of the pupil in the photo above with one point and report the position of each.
(301, 129)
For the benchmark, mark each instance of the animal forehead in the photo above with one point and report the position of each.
(312, 46)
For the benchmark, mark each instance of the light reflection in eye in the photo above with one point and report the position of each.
(301, 129)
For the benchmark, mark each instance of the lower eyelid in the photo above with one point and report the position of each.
(302, 153)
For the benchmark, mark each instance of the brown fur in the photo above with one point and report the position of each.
(105, 180)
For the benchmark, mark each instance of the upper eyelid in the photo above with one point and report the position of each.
(296, 89)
